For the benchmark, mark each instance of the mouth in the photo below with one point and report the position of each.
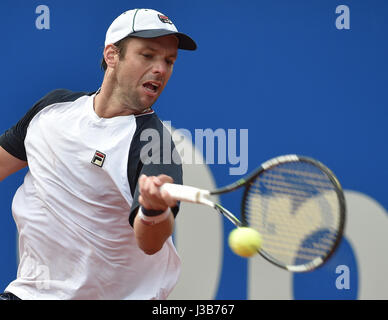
(151, 87)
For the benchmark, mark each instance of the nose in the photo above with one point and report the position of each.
(160, 67)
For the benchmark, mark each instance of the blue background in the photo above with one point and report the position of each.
(280, 69)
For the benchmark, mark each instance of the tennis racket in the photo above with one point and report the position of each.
(295, 202)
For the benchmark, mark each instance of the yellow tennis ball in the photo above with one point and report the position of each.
(245, 241)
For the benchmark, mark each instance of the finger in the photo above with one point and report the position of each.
(142, 183)
(154, 188)
(145, 204)
(145, 188)
(165, 178)
(168, 199)
(142, 178)
(141, 201)
(151, 196)
(158, 182)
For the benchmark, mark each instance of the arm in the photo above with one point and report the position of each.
(9, 164)
(150, 238)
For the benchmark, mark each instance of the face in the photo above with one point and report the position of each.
(143, 72)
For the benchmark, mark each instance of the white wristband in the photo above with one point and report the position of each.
(151, 220)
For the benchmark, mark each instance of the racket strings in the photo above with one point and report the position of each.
(295, 207)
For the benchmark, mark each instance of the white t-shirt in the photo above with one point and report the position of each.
(75, 210)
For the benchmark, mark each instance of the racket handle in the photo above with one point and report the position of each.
(186, 193)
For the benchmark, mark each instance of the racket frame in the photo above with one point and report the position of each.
(341, 202)
(201, 196)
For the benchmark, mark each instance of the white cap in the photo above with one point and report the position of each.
(145, 23)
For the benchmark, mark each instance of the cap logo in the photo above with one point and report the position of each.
(164, 19)
(99, 159)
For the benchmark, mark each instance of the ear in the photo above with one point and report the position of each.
(111, 55)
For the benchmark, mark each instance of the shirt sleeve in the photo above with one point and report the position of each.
(12, 140)
(159, 164)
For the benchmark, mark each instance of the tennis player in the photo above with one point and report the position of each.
(92, 222)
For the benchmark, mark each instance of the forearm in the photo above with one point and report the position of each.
(150, 238)
(9, 164)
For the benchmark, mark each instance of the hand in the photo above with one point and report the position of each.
(150, 195)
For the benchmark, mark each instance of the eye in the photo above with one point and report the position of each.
(147, 55)
(170, 62)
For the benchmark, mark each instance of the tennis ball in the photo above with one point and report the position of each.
(244, 241)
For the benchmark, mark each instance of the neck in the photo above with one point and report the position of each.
(110, 102)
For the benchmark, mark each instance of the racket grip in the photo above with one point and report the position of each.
(185, 193)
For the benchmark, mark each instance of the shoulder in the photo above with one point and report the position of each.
(62, 95)
(149, 124)
(148, 119)
(151, 129)
(51, 98)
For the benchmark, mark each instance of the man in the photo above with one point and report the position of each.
(92, 222)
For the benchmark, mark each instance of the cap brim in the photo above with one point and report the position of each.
(185, 42)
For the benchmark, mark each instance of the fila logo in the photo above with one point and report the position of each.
(99, 158)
